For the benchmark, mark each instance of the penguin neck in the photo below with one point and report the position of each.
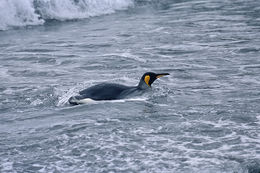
(143, 86)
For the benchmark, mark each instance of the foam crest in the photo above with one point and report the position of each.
(18, 13)
(68, 9)
(35, 12)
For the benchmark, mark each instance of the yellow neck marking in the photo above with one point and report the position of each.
(147, 79)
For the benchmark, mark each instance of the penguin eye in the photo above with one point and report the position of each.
(147, 79)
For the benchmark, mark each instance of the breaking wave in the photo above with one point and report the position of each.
(16, 13)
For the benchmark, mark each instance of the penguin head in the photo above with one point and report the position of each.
(149, 77)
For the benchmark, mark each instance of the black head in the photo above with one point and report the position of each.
(149, 77)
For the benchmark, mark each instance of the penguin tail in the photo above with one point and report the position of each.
(74, 100)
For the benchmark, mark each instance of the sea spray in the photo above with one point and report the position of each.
(15, 13)
(18, 13)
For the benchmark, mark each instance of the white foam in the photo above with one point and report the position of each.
(35, 12)
(7, 166)
(68, 9)
(18, 13)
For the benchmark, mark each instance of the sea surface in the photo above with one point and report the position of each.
(203, 118)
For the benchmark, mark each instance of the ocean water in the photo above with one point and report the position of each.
(204, 117)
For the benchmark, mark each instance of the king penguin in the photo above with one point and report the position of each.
(111, 91)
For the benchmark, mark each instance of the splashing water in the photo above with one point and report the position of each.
(16, 13)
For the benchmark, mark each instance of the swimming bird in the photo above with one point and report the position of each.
(111, 91)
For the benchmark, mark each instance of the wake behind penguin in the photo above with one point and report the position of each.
(111, 91)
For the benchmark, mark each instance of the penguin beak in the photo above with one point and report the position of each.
(161, 75)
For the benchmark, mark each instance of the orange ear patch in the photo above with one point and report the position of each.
(147, 79)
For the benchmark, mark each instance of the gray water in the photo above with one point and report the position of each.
(204, 117)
